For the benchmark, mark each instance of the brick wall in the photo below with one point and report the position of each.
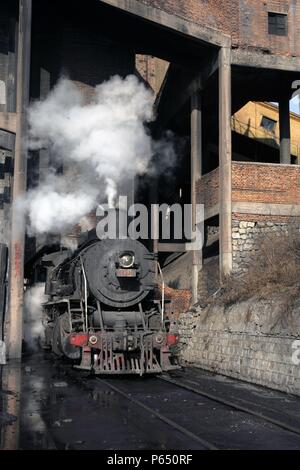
(216, 14)
(254, 25)
(265, 183)
(255, 183)
(152, 70)
(90, 59)
(246, 341)
(207, 189)
(178, 301)
(248, 236)
(268, 184)
(245, 20)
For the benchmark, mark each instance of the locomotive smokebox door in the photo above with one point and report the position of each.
(119, 272)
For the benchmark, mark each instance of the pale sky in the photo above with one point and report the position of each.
(295, 105)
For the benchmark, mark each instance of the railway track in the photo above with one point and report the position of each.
(186, 411)
(207, 445)
(232, 405)
(212, 398)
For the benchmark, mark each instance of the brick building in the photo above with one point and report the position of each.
(260, 122)
(244, 191)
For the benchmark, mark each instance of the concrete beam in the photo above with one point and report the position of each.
(264, 61)
(175, 93)
(17, 248)
(210, 68)
(187, 86)
(8, 122)
(210, 212)
(173, 22)
(172, 247)
(262, 208)
(225, 151)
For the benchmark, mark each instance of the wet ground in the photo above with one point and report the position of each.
(45, 404)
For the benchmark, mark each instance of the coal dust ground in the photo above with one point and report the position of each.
(46, 404)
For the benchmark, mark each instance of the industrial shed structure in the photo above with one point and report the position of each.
(210, 58)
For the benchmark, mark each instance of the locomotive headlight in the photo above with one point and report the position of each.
(126, 260)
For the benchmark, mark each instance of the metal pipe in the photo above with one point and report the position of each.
(16, 273)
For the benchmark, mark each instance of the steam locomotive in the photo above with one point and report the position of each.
(101, 312)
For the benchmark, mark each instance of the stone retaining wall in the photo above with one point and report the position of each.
(247, 238)
(253, 341)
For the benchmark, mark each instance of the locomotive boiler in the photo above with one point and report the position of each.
(101, 311)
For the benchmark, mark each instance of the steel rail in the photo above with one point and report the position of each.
(163, 418)
(230, 404)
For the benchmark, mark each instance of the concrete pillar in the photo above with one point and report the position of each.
(16, 275)
(11, 380)
(225, 150)
(196, 171)
(285, 130)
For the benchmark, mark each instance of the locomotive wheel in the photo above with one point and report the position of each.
(61, 345)
(56, 339)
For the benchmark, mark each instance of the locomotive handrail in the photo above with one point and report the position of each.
(85, 294)
(162, 294)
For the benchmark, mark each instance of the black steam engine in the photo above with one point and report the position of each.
(101, 311)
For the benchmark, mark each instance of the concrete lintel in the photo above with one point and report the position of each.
(266, 61)
(280, 166)
(197, 83)
(287, 210)
(172, 102)
(210, 212)
(186, 27)
(210, 68)
(8, 122)
(172, 247)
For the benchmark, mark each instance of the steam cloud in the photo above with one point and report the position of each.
(33, 324)
(106, 142)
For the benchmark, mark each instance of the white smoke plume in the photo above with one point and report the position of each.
(107, 141)
(33, 319)
(71, 243)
